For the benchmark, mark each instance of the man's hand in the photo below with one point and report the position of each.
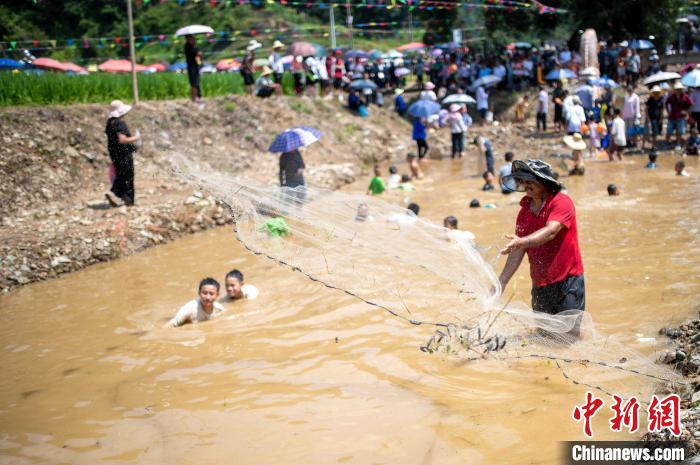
(515, 243)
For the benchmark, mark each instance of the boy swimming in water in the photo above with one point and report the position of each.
(235, 289)
(202, 308)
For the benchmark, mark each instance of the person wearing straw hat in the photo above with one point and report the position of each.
(247, 66)
(400, 104)
(428, 92)
(193, 57)
(577, 145)
(546, 231)
(275, 60)
(121, 147)
(677, 105)
(458, 128)
(654, 115)
(264, 86)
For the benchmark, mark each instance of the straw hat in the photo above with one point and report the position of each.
(655, 90)
(266, 71)
(253, 45)
(429, 86)
(678, 86)
(118, 108)
(575, 141)
(398, 92)
(277, 44)
(455, 107)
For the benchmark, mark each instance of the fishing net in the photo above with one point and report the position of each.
(424, 274)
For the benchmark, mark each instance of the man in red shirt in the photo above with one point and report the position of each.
(677, 105)
(546, 230)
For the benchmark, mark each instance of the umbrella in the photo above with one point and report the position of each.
(392, 54)
(401, 72)
(605, 82)
(73, 68)
(49, 63)
(120, 66)
(303, 49)
(458, 98)
(559, 74)
(6, 63)
(320, 50)
(449, 46)
(661, 76)
(207, 69)
(158, 67)
(423, 108)
(692, 79)
(177, 67)
(641, 44)
(374, 54)
(294, 138)
(228, 64)
(486, 81)
(436, 52)
(411, 46)
(356, 54)
(522, 45)
(260, 62)
(591, 71)
(194, 29)
(363, 84)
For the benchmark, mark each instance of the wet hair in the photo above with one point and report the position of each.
(617, 112)
(509, 156)
(653, 156)
(209, 282)
(612, 188)
(414, 208)
(680, 164)
(392, 169)
(405, 178)
(474, 203)
(451, 220)
(234, 274)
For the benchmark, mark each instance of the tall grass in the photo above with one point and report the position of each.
(56, 89)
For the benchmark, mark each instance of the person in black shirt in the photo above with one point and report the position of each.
(292, 174)
(120, 144)
(655, 111)
(194, 61)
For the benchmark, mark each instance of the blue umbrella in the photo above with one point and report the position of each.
(356, 54)
(558, 74)
(363, 84)
(605, 82)
(177, 67)
(6, 63)
(691, 79)
(424, 108)
(641, 44)
(293, 138)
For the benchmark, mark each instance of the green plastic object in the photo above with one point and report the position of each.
(276, 227)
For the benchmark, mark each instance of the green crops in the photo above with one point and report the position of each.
(56, 89)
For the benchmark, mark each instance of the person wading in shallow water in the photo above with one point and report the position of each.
(546, 230)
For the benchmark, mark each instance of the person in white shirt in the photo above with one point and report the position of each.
(631, 112)
(458, 128)
(394, 178)
(236, 289)
(454, 235)
(542, 109)
(576, 116)
(482, 101)
(428, 93)
(619, 134)
(499, 70)
(275, 60)
(202, 308)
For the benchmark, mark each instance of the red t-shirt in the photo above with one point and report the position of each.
(677, 104)
(559, 258)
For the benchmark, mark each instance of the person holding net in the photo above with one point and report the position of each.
(546, 230)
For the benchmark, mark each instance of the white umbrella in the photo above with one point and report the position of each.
(486, 81)
(194, 29)
(661, 76)
(692, 79)
(391, 54)
(458, 98)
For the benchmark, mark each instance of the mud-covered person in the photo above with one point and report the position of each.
(546, 231)
(121, 147)
(236, 289)
(203, 308)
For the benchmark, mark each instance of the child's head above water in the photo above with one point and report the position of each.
(234, 283)
(405, 178)
(509, 156)
(393, 170)
(208, 291)
(450, 222)
(414, 208)
(653, 156)
(680, 166)
(613, 190)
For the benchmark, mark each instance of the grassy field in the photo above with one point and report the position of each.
(61, 89)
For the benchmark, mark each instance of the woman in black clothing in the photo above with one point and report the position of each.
(120, 144)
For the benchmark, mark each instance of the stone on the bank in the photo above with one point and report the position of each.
(695, 362)
(696, 397)
(680, 356)
(70, 152)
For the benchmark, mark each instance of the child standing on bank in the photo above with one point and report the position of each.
(376, 185)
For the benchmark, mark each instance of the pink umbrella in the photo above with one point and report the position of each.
(158, 67)
(74, 68)
(228, 64)
(49, 63)
(411, 46)
(120, 66)
(303, 49)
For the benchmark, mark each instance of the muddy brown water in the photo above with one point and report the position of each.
(309, 375)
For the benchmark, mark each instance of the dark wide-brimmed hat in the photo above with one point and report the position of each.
(531, 170)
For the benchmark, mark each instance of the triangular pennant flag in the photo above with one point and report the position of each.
(13, 44)
(53, 43)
